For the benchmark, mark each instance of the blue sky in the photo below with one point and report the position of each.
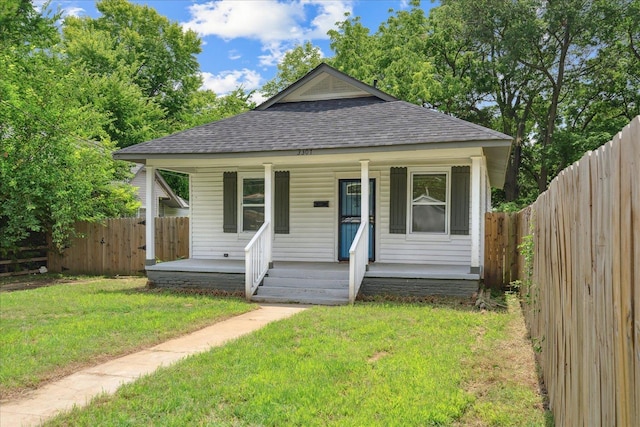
(243, 40)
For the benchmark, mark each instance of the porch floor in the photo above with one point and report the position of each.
(376, 269)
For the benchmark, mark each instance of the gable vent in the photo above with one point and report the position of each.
(328, 85)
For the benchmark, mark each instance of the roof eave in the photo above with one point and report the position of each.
(143, 157)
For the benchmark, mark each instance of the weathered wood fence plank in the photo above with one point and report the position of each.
(500, 249)
(117, 246)
(582, 302)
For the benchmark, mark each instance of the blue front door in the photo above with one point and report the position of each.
(349, 220)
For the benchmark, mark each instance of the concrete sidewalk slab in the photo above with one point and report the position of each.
(79, 388)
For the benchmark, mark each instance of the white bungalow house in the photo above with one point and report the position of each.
(278, 210)
(165, 201)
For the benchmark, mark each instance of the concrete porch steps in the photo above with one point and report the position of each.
(315, 284)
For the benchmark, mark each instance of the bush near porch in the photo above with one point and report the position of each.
(52, 331)
(379, 363)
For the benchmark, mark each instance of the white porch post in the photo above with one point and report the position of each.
(476, 212)
(268, 209)
(364, 202)
(150, 222)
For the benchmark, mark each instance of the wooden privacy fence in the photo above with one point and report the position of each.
(500, 249)
(582, 303)
(29, 257)
(117, 246)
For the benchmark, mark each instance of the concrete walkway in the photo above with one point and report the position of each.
(79, 388)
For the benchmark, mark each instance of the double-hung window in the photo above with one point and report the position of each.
(429, 202)
(252, 203)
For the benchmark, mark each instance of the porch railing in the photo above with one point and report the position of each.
(256, 259)
(358, 258)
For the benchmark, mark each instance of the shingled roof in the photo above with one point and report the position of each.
(365, 118)
(336, 123)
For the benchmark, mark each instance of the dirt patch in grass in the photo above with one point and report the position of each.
(35, 281)
(379, 355)
(504, 384)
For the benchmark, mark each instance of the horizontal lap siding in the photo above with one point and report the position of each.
(208, 239)
(401, 248)
(313, 231)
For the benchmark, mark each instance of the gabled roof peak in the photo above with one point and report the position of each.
(322, 83)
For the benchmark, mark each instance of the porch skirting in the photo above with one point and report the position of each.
(406, 287)
(381, 279)
(227, 282)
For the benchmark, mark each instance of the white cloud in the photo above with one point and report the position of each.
(66, 8)
(257, 97)
(275, 51)
(227, 81)
(277, 25)
(330, 12)
(73, 11)
(234, 54)
(264, 20)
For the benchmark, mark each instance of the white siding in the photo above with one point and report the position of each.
(415, 248)
(140, 181)
(313, 231)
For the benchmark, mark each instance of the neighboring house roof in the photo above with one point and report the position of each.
(166, 193)
(328, 110)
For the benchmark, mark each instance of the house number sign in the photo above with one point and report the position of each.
(305, 152)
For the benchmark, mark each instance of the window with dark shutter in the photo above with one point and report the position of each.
(398, 202)
(230, 202)
(281, 205)
(460, 195)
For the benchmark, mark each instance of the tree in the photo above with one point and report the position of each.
(55, 159)
(205, 107)
(296, 63)
(561, 77)
(152, 52)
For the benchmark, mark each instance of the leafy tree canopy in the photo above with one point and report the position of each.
(55, 159)
(140, 46)
(295, 64)
(561, 77)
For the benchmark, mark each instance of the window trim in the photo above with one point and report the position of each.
(241, 178)
(447, 218)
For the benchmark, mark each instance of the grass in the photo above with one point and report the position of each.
(373, 364)
(52, 331)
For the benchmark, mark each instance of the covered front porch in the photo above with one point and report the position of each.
(316, 282)
(447, 264)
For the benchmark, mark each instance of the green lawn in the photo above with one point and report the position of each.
(51, 331)
(373, 364)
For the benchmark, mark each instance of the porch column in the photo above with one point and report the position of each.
(150, 243)
(364, 202)
(476, 212)
(268, 209)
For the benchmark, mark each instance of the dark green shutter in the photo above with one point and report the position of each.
(281, 205)
(398, 201)
(460, 195)
(230, 202)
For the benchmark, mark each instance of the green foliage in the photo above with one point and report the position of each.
(140, 45)
(528, 289)
(206, 107)
(123, 78)
(47, 330)
(295, 64)
(507, 207)
(560, 77)
(55, 159)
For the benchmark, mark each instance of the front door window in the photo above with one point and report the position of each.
(252, 203)
(349, 220)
